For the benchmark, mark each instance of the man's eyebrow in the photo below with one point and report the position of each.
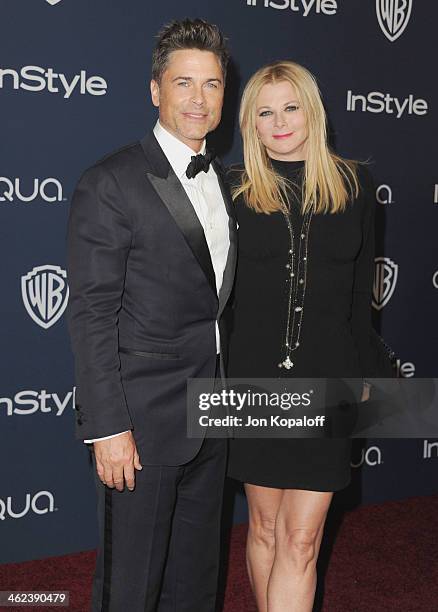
(187, 78)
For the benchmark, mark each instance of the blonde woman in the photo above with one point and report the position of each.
(302, 309)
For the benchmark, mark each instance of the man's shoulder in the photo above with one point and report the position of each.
(128, 156)
(121, 166)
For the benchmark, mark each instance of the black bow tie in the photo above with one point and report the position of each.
(199, 163)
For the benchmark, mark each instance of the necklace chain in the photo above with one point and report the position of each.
(297, 280)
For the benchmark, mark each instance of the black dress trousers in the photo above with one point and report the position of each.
(159, 544)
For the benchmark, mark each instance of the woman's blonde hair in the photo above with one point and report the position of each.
(329, 180)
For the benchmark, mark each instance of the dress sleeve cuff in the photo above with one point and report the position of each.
(105, 437)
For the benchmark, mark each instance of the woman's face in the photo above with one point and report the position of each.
(281, 123)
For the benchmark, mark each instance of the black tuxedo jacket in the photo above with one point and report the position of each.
(143, 301)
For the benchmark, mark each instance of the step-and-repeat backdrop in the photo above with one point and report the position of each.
(74, 85)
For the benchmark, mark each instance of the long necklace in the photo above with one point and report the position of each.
(297, 279)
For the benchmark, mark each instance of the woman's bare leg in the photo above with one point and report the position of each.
(299, 527)
(263, 504)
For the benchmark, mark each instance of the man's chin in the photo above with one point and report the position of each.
(195, 136)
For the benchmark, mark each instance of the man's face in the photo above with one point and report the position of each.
(190, 95)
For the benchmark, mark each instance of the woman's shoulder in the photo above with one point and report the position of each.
(358, 180)
(366, 197)
(364, 176)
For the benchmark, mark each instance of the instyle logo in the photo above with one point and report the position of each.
(385, 280)
(384, 194)
(393, 17)
(378, 102)
(45, 294)
(28, 402)
(36, 79)
(369, 456)
(39, 503)
(49, 190)
(430, 450)
(304, 7)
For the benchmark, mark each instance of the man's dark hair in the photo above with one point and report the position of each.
(188, 34)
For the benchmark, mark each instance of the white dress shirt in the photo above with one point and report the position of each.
(205, 195)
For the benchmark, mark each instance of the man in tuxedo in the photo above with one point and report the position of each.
(152, 251)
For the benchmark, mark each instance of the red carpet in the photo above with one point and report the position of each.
(384, 559)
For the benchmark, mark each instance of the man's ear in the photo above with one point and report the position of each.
(155, 93)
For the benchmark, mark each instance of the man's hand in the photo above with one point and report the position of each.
(116, 461)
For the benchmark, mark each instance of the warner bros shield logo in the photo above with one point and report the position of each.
(393, 16)
(45, 294)
(385, 280)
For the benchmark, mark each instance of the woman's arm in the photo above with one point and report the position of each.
(373, 357)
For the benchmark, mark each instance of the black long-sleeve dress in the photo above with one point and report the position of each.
(336, 337)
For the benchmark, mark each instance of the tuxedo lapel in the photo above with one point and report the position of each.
(230, 267)
(172, 194)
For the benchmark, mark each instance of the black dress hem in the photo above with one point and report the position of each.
(301, 486)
